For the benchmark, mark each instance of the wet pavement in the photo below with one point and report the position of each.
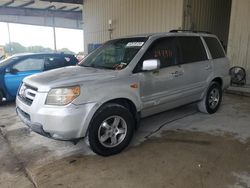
(178, 148)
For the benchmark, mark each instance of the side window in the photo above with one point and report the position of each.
(30, 64)
(163, 49)
(214, 47)
(191, 49)
(71, 60)
(56, 62)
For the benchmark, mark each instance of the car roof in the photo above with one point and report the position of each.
(173, 33)
(37, 54)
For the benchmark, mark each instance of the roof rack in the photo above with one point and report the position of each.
(190, 31)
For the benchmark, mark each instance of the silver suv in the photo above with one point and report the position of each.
(105, 96)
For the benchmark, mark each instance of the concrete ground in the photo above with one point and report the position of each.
(176, 149)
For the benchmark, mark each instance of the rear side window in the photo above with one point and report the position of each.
(214, 47)
(191, 49)
(54, 62)
(72, 59)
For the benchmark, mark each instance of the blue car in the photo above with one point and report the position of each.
(15, 68)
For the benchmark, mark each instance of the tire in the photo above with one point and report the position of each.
(1, 97)
(111, 129)
(212, 100)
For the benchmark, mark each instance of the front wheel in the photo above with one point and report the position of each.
(1, 97)
(212, 100)
(111, 129)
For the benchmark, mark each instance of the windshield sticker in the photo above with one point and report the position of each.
(134, 44)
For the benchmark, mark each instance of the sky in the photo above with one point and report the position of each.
(29, 35)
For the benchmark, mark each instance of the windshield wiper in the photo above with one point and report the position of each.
(97, 66)
(81, 65)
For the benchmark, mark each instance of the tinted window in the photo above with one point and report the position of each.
(191, 49)
(71, 59)
(163, 49)
(30, 64)
(54, 62)
(214, 47)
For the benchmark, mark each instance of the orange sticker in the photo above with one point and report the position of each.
(135, 86)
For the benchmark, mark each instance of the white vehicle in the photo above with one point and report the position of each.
(105, 96)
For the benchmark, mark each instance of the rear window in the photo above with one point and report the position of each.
(191, 49)
(214, 47)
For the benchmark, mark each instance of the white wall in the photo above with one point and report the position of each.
(239, 36)
(129, 17)
(208, 15)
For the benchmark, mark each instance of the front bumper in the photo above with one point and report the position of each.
(63, 123)
(36, 127)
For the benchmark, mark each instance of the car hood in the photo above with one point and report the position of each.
(68, 76)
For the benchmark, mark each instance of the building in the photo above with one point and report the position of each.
(228, 19)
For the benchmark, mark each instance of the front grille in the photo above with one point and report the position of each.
(27, 94)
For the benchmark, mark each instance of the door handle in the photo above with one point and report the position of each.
(177, 73)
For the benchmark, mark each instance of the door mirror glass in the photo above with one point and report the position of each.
(151, 64)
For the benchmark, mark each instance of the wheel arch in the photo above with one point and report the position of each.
(218, 80)
(127, 103)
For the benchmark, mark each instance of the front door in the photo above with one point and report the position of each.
(21, 69)
(160, 89)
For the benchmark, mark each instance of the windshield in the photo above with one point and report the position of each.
(8, 60)
(115, 54)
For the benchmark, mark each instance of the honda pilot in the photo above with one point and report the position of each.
(124, 80)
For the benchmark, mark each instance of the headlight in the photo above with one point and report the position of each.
(62, 96)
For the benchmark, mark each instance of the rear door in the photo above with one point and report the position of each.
(196, 65)
(219, 60)
(23, 68)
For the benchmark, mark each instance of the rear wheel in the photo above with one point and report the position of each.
(111, 130)
(212, 100)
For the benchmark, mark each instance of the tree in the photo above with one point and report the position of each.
(66, 50)
(14, 48)
(38, 49)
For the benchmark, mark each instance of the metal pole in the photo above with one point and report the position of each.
(8, 27)
(54, 28)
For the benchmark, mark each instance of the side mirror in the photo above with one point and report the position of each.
(11, 70)
(7, 70)
(151, 64)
